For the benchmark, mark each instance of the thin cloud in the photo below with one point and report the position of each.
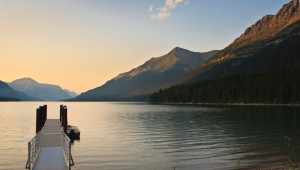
(160, 15)
(164, 12)
(150, 9)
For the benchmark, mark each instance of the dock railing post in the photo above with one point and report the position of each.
(71, 158)
(69, 155)
(29, 150)
(28, 164)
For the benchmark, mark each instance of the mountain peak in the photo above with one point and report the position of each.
(178, 49)
(42, 91)
(148, 77)
(167, 62)
(270, 25)
(26, 80)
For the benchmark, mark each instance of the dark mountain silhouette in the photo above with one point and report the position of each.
(9, 94)
(45, 92)
(6, 99)
(156, 72)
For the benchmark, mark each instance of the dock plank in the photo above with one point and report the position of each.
(50, 158)
(50, 140)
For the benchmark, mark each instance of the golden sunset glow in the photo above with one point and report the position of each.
(80, 45)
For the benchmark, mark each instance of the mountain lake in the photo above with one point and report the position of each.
(145, 136)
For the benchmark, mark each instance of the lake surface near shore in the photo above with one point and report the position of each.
(145, 136)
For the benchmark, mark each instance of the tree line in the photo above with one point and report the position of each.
(276, 87)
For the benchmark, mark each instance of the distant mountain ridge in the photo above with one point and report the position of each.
(45, 92)
(152, 74)
(9, 94)
(71, 93)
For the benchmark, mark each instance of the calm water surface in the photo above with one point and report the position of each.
(143, 136)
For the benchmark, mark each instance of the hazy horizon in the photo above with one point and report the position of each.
(79, 45)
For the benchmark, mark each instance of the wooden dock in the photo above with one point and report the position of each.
(51, 147)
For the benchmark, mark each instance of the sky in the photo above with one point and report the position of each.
(81, 44)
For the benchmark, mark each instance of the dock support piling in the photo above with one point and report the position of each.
(41, 117)
(64, 117)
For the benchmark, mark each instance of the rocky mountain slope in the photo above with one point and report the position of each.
(152, 74)
(45, 92)
(238, 55)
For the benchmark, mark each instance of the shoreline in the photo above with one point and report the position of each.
(226, 104)
(277, 167)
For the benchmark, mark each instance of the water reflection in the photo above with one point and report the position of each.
(143, 136)
(248, 134)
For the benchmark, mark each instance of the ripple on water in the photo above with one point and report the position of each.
(143, 136)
